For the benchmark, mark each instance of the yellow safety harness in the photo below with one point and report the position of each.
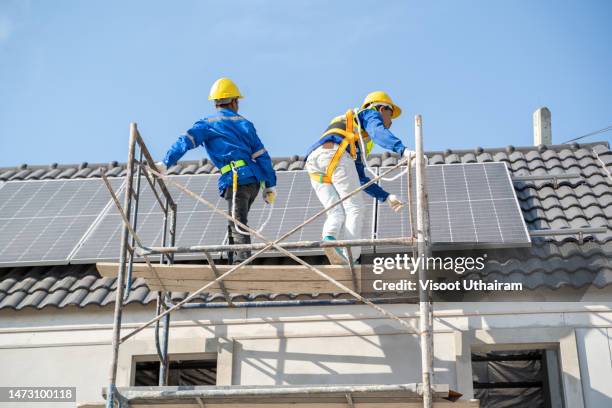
(350, 134)
(232, 167)
(235, 164)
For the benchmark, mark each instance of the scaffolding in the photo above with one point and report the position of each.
(140, 164)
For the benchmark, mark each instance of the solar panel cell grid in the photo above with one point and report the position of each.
(42, 221)
(196, 223)
(468, 204)
(296, 203)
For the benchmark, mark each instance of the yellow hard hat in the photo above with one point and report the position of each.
(381, 97)
(224, 88)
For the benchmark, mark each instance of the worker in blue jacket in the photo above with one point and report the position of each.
(234, 147)
(336, 167)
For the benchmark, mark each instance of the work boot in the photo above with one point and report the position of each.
(239, 260)
(335, 255)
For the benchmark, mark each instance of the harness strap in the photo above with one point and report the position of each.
(234, 181)
(348, 141)
(327, 177)
(233, 165)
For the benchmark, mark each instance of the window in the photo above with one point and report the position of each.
(181, 372)
(521, 378)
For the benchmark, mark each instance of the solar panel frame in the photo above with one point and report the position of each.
(439, 204)
(41, 221)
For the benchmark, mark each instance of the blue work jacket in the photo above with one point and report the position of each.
(372, 122)
(227, 137)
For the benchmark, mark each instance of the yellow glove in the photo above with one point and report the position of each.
(394, 202)
(269, 195)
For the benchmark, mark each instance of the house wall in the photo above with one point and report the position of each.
(318, 344)
(595, 353)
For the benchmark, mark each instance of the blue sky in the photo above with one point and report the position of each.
(73, 74)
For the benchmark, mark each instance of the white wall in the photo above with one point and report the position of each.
(595, 353)
(297, 345)
(373, 359)
(85, 367)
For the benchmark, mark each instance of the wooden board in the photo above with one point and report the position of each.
(249, 279)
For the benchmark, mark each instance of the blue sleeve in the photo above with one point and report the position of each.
(194, 138)
(263, 161)
(374, 190)
(373, 124)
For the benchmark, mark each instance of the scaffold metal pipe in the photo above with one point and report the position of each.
(151, 163)
(285, 245)
(286, 303)
(536, 177)
(425, 323)
(441, 391)
(116, 339)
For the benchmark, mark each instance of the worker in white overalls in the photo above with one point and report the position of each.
(336, 167)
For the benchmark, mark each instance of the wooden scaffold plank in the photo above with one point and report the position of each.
(247, 280)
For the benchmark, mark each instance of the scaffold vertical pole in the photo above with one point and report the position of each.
(134, 220)
(425, 324)
(127, 205)
(163, 363)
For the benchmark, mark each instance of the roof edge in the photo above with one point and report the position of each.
(201, 162)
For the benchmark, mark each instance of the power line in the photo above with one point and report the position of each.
(606, 129)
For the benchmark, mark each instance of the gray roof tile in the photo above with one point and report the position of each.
(468, 158)
(114, 172)
(484, 157)
(20, 175)
(67, 173)
(436, 159)
(36, 174)
(282, 165)
(6, 174)
(51, 174)
(190, 169)
(83, 173)
(452, 159)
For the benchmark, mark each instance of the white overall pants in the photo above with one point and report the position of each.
(344, 221)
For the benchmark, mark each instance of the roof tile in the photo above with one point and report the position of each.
(20, 175)
(436, 159)
(468, 158)
(67, 173)
(484, 157)
(452, 159)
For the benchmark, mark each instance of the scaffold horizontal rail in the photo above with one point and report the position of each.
(405, 241)
(249, 279)
(303, 396)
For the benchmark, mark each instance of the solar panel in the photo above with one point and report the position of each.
(198, 225)
(296, 203)
(472, 204)
(42, 221)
